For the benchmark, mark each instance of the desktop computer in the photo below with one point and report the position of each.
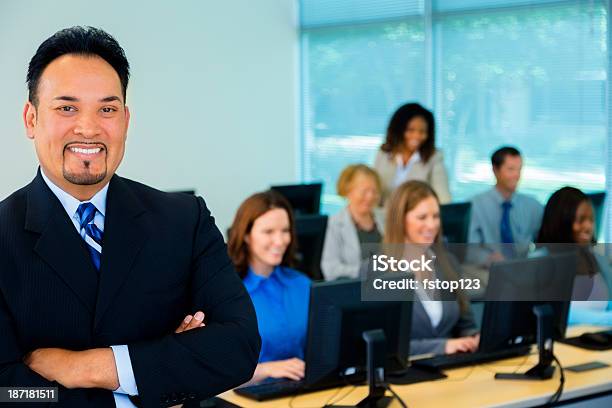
(310, 237)
(335, 349)
(304, 198)
(509, 326)
(455, 219)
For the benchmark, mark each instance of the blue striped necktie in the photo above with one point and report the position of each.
(90, 232)
(504, 227)
(506, 232)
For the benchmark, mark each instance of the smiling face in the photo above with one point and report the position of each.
(509, 173)
(422, 223)
(268, 240)
(582, 227)
(363, 194)
(80, 125)
(415, 133)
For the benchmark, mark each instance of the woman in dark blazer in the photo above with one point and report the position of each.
(442, 323)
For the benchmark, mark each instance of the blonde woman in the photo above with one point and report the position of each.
(355, 232)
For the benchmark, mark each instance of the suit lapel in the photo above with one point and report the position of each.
(59, 244)
(125, 231)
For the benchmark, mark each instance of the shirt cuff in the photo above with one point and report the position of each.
(127, 382)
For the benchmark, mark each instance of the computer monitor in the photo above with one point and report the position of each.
(310, 232)
(335, 349)
(514, 288)
(304, 198)
(455, 218)
(598, 200)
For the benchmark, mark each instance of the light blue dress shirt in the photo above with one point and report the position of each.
(127, 382)
(281, 304)
(525, 218)
(485, 225)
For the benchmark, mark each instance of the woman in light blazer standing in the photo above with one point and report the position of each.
(409, 153)
(355, 232)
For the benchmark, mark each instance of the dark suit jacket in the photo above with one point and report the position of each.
(429, 339)
(162, 258)
(456, 321)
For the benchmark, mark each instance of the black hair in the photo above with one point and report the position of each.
(397, 126)
(499, 156)
(559, 216)
(87, 41)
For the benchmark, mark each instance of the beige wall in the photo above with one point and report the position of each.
(212, 95)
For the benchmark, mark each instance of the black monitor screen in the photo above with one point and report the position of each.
(598, 199)
(514, 288)
(304, 198)
(356, 320)
(513, 324)
(310, 234)
(335, 350)
(455, 220)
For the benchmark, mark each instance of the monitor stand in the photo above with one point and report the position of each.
(544, 369)
(413, 375)
(376, 355)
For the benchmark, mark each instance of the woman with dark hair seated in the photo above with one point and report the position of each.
(440, 324)
(409, 153)
(262, 245)
(569, 218)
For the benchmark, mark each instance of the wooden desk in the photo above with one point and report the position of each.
(473, 386)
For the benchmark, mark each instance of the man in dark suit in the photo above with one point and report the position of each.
(97, 271)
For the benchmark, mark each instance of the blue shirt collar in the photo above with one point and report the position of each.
(252, 280)
(499, 198)
(70, 203)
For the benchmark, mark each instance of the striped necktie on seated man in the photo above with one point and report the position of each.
(91, 234)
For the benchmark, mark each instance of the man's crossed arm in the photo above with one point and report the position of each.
(93, 368)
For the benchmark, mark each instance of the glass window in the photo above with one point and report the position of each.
(528, 73)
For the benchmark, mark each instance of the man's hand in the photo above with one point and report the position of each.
(191, 322)
(93, 368)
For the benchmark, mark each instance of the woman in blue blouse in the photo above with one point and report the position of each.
(261, 245)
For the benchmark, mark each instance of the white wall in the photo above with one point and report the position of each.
(212, 94)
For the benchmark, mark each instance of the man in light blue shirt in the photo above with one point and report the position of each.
(501, 215)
